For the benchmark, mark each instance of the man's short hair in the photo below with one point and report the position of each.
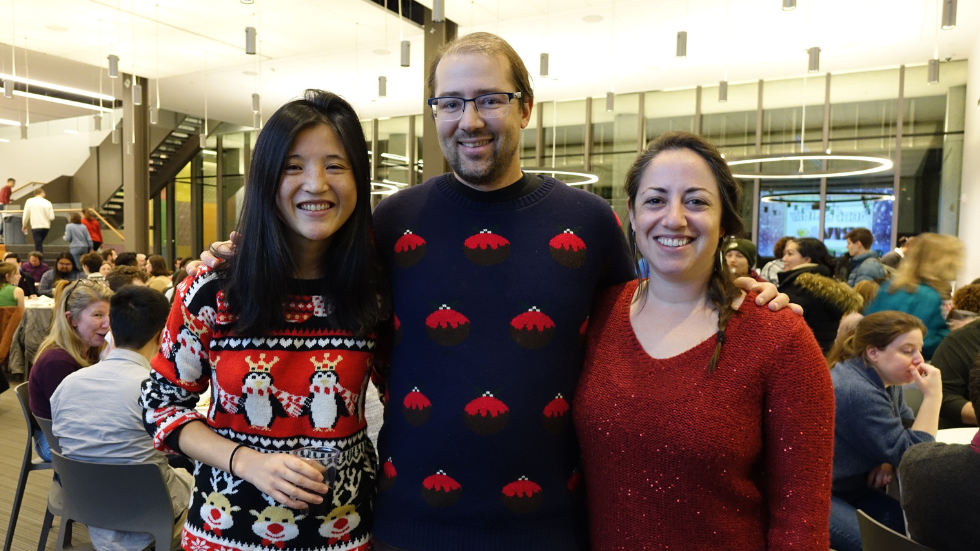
(38, 191)
(37, 254)
(862, 236)
(92, 262)
(11, 180)
(120, 276)
(126, 259)
(15, 256)
(489, 45)
(136, 315)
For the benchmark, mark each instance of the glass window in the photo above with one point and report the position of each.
(614, 136)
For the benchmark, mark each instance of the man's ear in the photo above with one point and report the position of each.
(526, 112)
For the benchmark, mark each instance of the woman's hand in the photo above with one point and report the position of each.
(289, 480)
(881, 476)
(928, 379)
(223, 248)
(767, 294)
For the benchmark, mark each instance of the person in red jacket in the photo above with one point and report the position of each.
(91, 221)
(705, 421)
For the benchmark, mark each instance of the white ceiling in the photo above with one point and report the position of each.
(332, 44)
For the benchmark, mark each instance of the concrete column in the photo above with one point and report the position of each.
(436, 35)
(952, 172)
(136, 168)
(970, 199)
(897, 184)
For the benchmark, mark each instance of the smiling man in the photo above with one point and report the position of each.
(493, 274)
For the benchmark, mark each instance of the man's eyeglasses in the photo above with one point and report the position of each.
(489, 106)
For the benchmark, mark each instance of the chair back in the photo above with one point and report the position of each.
(24, 397)
(878, 537)
(10, 317)
(45, 425)
(115, 496)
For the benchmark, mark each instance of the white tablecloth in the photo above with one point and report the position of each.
(963, 435)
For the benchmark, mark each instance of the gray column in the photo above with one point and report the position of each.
(436, 35)
(823, 165)
(136, 168)
(641, 123)
(197, 202)
(697, 110)
(219, 190)
(539, 136)
(897, 183)
(375, 154)
(171, 237)
(756, 183)
(952, 174)
(587, 145)
(411, 153)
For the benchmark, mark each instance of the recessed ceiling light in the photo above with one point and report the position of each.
(592, 18)
(56, 28)
(381, 51)
(249, 73)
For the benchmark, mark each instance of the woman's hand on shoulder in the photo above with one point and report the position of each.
(210, 257)
(881, 476)
(289, 480)
(768, 294)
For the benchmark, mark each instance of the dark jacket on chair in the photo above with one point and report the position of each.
(824, 300)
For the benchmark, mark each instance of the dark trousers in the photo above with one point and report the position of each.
(39, 236)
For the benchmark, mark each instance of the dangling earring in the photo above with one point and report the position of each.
(633, 242)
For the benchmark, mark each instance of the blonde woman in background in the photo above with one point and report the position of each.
(868, 291)
(922, 284)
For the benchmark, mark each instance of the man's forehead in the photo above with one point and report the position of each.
(457, 71)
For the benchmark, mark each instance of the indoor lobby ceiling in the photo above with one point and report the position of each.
(341, 45)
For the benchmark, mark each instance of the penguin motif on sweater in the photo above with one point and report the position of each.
(258, 400)
(325, 403)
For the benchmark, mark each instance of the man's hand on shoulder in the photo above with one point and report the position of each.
(768, 294)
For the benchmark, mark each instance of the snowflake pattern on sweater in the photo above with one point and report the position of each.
(490, 301)
(300, 385)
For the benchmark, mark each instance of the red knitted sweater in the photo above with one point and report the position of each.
(677, 458)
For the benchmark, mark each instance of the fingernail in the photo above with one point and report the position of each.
(318, 500)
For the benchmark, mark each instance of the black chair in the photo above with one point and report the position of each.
(114, 496)
(878, 537)
(29, 465)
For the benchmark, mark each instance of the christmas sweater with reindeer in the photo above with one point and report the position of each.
(302, 384)
(492, 293)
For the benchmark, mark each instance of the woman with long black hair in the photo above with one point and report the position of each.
(282, 332)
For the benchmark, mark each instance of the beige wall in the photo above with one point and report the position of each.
(970, 201)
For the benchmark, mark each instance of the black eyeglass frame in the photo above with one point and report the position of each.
(511, 96)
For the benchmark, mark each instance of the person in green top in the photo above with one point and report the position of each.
(10, 293)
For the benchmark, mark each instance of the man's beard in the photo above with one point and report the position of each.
(485, 172)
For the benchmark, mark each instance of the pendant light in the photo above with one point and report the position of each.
(382, 87)
(204, 133)
(8, 84)
(438, 11)
(27, 94)
(113, 58)
(250, 40)
(813, 66)
(98, 116)
(789, 5)
(933, 71)
(722, 91)
(155, 111)
(681, 44)
(543, 63)
(406, 45)
(611, 94)
(949, 14)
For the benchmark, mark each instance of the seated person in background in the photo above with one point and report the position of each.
(27, 283)
(806, 279)
(96, 412)
(772, 268)
(10, 293)
(64, 269)
(159, 274)
(922, 285)
(941, 482)
(92, 266)
(868, 290)
(141, 261)
(966, 306)
(78, 329)
(126, 275)
(109, 256)
(869, 368)
(894, 258)
(864, 263)
(954, 358)
(126, 259)
(741, 255)
(35, 266)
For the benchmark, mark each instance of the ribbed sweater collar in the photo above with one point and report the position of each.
(444, 185)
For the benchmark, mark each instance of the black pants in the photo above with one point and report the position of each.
(39, 236)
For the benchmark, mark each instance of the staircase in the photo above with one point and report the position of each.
(171, 152)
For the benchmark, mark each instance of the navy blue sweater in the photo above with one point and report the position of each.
(491, 302)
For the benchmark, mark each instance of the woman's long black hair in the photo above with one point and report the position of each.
(259, 271)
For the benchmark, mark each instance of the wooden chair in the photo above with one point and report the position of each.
(878, 537)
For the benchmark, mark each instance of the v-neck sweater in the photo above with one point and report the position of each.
(679, 458)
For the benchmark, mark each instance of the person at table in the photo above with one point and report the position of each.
(64, 270)
(10, 293)
(96, 414)
(922, 285)
(35, 266)
(78, 238)
(92, 266)
(27, 283)
(305, 270)
(741, 255)
(705, 420)
(121, 276)
(874, 426)
(954, 359)
(159, 274)
(91, 222)
(78, 329)
(806, 279)
(940, 488)
(109, 257)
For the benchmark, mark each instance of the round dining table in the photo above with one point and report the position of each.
(962, 435)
